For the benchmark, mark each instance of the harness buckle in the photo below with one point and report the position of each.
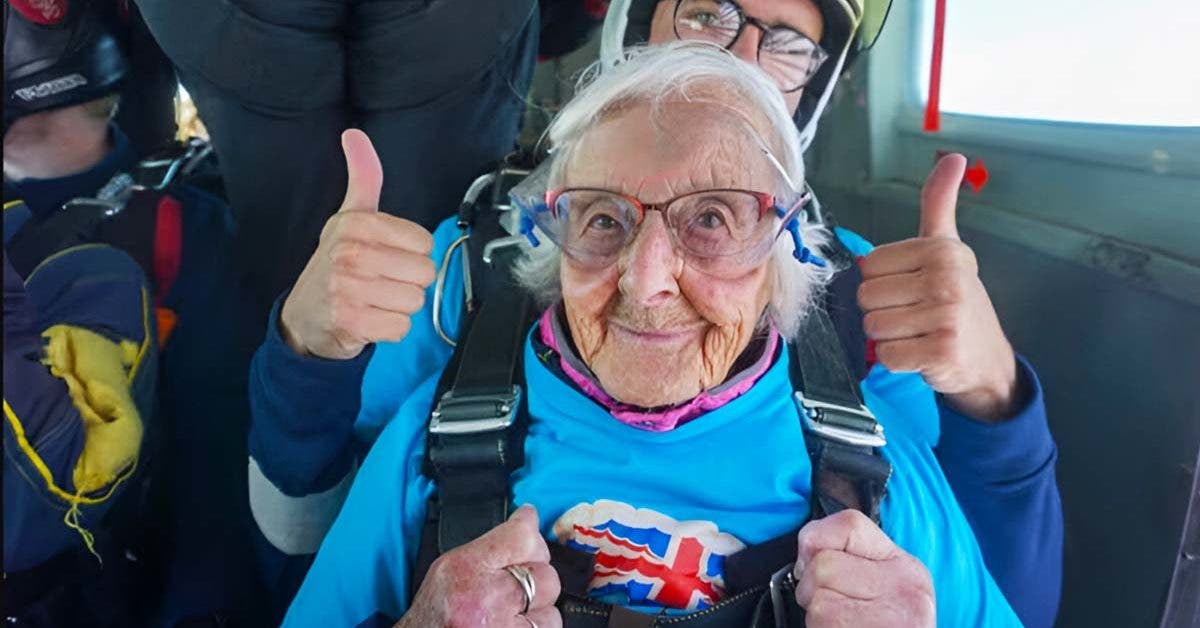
(195, 150)
(845, 424)
(475, 412)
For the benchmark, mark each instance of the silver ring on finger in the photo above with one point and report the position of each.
(532, 624)
(528, 586)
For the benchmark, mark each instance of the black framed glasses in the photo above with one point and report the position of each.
(788, 56)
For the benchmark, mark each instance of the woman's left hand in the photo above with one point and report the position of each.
(849, 573)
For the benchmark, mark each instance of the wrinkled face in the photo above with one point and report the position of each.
(801, 15)
(654, 329)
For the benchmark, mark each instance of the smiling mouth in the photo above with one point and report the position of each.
(656, 335)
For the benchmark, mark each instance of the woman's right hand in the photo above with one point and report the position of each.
(470, 585)
(368, 274)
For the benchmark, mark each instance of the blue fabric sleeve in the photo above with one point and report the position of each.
(49, 420)
(96, 288)
(302, 413)
(1003, 476)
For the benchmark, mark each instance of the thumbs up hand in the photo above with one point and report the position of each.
(928, 312)
(368, 274)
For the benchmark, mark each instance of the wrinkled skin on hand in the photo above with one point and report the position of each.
(925, 306)
(469, 586)
(849, 573)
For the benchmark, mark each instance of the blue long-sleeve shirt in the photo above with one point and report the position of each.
(305, 438)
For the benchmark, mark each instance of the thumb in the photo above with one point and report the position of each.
(939, 197)
(515, 541)
(364, 173)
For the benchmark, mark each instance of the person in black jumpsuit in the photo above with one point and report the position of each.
(439, 86)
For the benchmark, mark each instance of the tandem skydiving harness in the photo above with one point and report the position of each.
(135, 212)
(476, 432)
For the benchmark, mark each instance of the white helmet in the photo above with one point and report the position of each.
(851, 27)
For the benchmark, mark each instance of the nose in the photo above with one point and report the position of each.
(745, 47)
(649, 266)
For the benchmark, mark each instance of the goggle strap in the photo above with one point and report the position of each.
(802, 253)
(527, 226)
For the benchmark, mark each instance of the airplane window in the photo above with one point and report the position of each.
(1096, 61)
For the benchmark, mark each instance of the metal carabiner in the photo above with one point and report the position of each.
(783, 583)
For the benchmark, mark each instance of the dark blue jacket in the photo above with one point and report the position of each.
(196, 451)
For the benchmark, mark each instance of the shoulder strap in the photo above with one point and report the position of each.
(842, 435)
(475, 436)
(841, 300)
(37, 240)
(133, 212)
(476, 433)
(843, 440)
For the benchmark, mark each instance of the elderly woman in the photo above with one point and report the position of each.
(663, 438)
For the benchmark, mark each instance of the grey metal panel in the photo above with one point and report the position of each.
(1121, 366)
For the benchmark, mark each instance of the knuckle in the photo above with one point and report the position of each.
(397, 331)
(946, 318)
(822, 608)
(448, 564)
(341, 316)
(945, 346)
(417, 299)
(854, 520)
(864, 293)
(944, 287)
(553, 586)
(885, 352)
(872, 323)
(346, 254)
(822, 566)
(425, 272)
(806, 544)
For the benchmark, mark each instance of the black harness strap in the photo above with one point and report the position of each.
(842, 436)
(476, 432)
(123, 213)
(842, 439)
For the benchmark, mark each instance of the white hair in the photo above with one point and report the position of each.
(690, 72)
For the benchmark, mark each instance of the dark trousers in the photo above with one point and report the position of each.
(438, 85)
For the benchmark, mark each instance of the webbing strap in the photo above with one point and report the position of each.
(37, 240)
(470, 460)
(471, 470)
(475, 440)
(841, 435)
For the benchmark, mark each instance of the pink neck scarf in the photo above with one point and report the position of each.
(664, 420)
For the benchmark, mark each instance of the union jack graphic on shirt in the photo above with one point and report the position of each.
(646, 558)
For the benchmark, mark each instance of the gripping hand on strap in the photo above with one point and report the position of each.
(502, 578)
(849, 573)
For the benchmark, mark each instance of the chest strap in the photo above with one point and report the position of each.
(476, 433)
(475, 440)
